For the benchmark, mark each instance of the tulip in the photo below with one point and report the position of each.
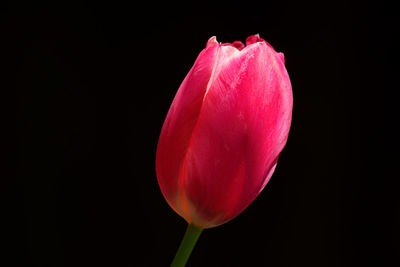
(224, 131)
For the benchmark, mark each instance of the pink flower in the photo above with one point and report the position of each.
(224, 131)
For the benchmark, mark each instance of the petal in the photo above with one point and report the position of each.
(252, 39)
(237, 44)
(179, 124)
(282, 57)
(224, 54)
(242, 128)
(211, 42)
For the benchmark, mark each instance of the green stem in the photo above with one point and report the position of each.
(187, 245)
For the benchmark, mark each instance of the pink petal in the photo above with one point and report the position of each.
(237, 44)
(252, 39)
(241, 129)
(211, 42)
(282, 56)
(178, 127)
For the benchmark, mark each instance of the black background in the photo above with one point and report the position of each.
(86, 90)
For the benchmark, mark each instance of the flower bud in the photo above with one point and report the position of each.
(224, 131)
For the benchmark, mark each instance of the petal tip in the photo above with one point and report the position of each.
(238, 44)
(252, 39)
(282, 57)
(212, 41)
(255, 38)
